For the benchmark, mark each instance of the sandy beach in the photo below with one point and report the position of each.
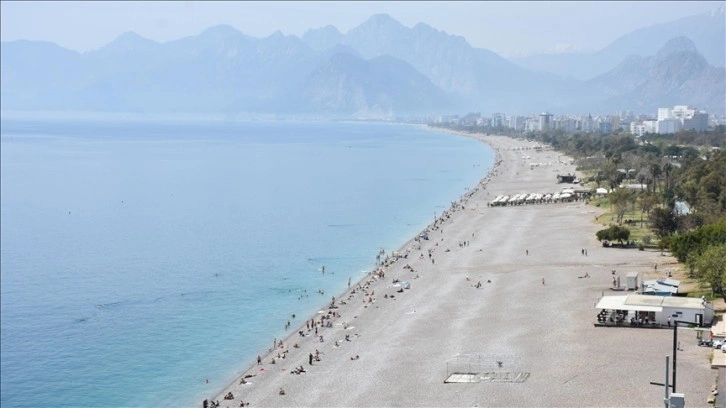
(532, 315)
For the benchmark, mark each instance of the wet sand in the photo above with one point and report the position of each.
(535, 315)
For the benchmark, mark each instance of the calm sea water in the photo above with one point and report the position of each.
(139, 259)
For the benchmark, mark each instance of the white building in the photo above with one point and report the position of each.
(657, 309)
(637, 128)
(588, 124)
(517, 122)
(498, 120)
(670, 125)
(651, 126)
(697, 122)
(664, 113)
(568, 125)
(687, 119)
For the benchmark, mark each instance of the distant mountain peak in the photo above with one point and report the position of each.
(322, 38)
(130, 36)
(382, 18)
(129, 41)
(677, 44)
(277, 34)
(328, 29)
(382, 21)
(221, 31)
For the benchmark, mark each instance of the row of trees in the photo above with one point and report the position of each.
(685, 167)
(673, 175)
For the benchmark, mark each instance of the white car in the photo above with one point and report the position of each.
(717, 344)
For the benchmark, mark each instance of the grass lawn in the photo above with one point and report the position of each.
(631, 220)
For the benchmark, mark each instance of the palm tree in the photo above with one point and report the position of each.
(655, 172)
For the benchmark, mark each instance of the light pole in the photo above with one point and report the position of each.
(675, 352)
(675, 347)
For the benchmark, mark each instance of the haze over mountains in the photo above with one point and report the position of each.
(707, 31)
(379, 69)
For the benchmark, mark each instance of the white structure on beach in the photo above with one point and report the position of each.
(657, 309)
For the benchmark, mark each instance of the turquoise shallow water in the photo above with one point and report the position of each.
(139, 259)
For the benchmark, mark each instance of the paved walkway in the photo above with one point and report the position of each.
(719, 359)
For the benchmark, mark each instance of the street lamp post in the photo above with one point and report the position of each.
(675, 353)
(675, 348)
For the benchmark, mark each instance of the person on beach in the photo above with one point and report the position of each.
(543, 281)
(259, 360)
(310, 359)
(527, 251)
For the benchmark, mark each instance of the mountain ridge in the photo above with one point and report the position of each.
(706, 30)
(222, 69)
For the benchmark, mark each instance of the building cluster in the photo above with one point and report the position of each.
(681, 117)
(668, 120)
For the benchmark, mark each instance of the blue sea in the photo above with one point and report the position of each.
(141, 258)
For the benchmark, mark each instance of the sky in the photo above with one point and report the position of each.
(509, 28)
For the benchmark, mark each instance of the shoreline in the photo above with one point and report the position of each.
(219, 395)
(477, 286)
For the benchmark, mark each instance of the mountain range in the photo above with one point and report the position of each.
(379, 69)
(706, 30)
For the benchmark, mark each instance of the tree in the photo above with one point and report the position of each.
(647, 202)
(710, 267)
(621, 199)
(655, 171)
(689, 244)
(613, 233)
(663, 222)
(610, 170)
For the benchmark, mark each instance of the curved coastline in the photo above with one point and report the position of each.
(510, 286)
(266, 357)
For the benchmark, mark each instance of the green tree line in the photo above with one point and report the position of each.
(687, 167)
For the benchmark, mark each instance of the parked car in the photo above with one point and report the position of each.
(717, 344)
(705, 342)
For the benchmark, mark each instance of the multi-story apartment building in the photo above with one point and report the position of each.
(681, 117)
(545, 121)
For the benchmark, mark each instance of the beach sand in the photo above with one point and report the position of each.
(535, 315)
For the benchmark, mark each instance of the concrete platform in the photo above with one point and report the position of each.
(719, 359)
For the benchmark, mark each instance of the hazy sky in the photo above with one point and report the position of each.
(503, 27)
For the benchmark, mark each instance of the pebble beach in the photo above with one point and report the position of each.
(505, 289)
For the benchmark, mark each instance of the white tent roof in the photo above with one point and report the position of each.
(619, 303)
(601, 190)
(649, 303)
